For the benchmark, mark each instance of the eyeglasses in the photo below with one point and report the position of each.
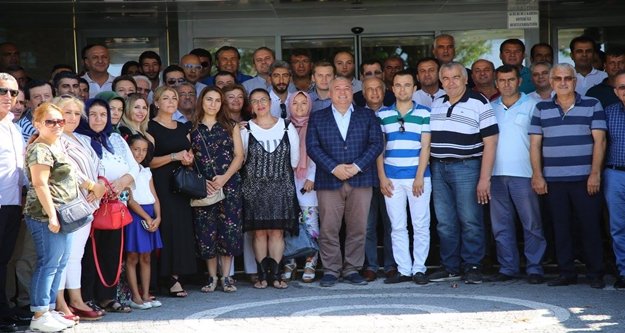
(263, 101)
(4, 91)
(402, 129)
(192, 66)
(173, 82)
(53, 122)
(205, 64)
(189, 94)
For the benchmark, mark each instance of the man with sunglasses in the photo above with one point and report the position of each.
(404, 175)
(567, 147)
(192, 68)
(11, 182)
(464, 139)
(173, 76)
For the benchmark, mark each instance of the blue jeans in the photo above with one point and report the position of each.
(511, 196)
(52, 254)
(614, 190)
(377, 213)
(460, 225)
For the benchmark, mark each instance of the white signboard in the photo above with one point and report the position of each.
(522, 19)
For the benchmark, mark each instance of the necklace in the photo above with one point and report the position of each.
(172, 125)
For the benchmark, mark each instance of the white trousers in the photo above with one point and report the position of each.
(70, 279)
(420, 215)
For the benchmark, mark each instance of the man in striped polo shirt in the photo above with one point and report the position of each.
(567, 146)
(464, 139)
(404, 175)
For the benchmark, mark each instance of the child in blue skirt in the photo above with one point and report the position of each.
(142, 235)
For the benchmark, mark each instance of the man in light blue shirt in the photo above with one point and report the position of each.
(511, 185)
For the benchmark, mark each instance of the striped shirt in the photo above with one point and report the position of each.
(567, 137)
(403, 148)
(458, 129)
(615, 118)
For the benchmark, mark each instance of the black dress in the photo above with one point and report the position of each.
(178, 252)
(269, 199)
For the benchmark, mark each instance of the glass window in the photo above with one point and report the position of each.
(123, 49)
(322, 48)
(472, 45)
(409, 48)
(245, 45)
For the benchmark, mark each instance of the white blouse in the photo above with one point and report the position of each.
(121, 162)
(271, 138)
(142, 193)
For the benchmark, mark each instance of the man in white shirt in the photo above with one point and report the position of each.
(427, 75)
(11, 182)
(96, 59)
(583, 50)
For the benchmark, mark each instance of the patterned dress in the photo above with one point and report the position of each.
(217, 227)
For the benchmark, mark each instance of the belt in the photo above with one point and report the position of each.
(450, 160)
(615, 167)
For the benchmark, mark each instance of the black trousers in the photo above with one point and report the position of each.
(107, 247)
(570, 204)
(10, 217)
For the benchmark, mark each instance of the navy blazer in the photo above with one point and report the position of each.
(325, 146)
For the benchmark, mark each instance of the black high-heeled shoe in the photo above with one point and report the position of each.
(276, 274)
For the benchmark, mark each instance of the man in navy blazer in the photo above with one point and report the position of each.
(344, 141)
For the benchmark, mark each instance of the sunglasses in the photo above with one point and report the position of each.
(176, 81)
(192, 66)
(402, 129)
(4, 91)
(52, 122)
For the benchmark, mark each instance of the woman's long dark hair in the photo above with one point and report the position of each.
(222, 115)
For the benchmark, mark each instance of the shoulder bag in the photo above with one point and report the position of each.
(209, 199)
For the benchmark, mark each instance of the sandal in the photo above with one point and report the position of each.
(96, 308)
(177, 293)
(115, 306)
(261, 268)
(277, 282)
(290, 270)
(210, 285)
(309, 272)
(227, 285)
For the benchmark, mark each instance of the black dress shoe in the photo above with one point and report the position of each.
(7, 327)
(535, 279)
(562, 281)
(597, 283)
(500, 277)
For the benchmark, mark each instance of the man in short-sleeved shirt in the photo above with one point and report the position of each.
(567, 145)
(405, 176)
(464, 138)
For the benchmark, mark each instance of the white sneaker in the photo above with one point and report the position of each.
(46, 323)
(59, 317)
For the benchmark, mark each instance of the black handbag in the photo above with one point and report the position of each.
(189, 182)
(74, 215)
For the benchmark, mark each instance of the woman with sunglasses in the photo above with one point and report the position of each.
(86, 165)
(52, 182)
(272, 152)
(120, 169)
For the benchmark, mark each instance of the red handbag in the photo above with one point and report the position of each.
(112, 215)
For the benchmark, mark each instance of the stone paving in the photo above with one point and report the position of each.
(512, 306)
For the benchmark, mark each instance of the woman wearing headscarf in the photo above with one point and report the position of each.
(120, 169)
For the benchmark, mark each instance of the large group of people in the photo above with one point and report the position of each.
(305, 148)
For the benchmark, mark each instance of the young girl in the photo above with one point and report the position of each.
(142, 235)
